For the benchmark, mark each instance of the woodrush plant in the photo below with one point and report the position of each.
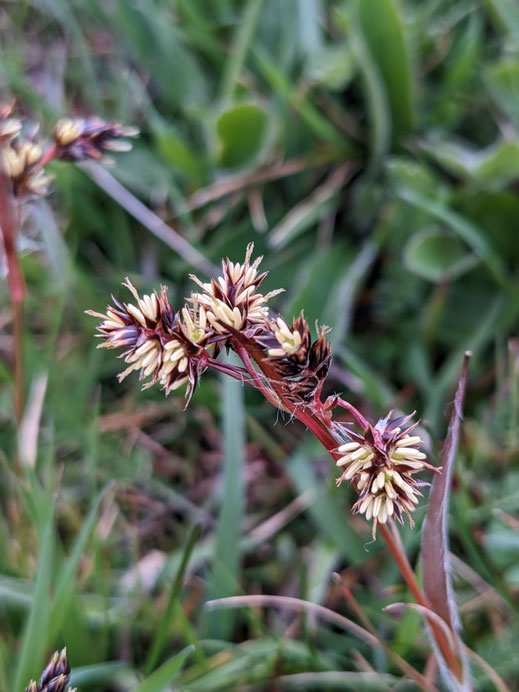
(174, 348)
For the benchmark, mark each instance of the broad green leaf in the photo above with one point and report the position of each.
(382, 26)
(376, 97)
(417, 175)
(96, 673)
(495, 166)
(506, 13)
(242, 40)
(177, 152)
(317, 122)
(497, 214)
(332, 67)
(436, 254)
(463, 60)
(469, 232)
(241, 132)
(502, 79)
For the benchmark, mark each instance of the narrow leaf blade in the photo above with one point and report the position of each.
(435, 544)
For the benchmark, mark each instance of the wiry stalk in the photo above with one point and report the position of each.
(16, 286)
(311, 417)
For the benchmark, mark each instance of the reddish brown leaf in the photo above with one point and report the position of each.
(435, 543)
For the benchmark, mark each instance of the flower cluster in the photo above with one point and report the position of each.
(302, 365)
(233, 300)
(157, 341)
(381, 464)
(174, 348)
(80, 139)
(21, 157)
(55, 677)
(24, 155)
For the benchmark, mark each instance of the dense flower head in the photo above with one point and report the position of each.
(160, 343)
(381, 464)
(24, 154)
(233, 300)
(21, 163)
(55, 677)
(80, 139)
(174, 348)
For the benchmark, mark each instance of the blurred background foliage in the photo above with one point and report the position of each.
(370, 149)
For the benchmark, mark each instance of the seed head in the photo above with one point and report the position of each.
(381, 464)
(233, 299)
(55, 677)
(80, 139)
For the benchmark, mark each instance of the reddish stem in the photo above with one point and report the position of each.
(268, 393)
(311, 418)
(48, 156)
(16, 285)
(364, 424)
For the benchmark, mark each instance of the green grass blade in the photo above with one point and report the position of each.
(244, 33)
(97, 673)
(225, 575)
(377, 102)
(317, 123)
(160, 637)
(326, 510)
(65, 583)
(164, 675)
(36, 635)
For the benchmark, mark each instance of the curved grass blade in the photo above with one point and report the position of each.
(160, 636)
(227, 551)
(36, 633)
(66, 580)
(163, 676)
(435, 544)
(383, 29)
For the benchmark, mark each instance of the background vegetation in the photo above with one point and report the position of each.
(371, 151)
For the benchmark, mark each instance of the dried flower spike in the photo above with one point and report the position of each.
(381, 464)
(80, 139)
(55, 677)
